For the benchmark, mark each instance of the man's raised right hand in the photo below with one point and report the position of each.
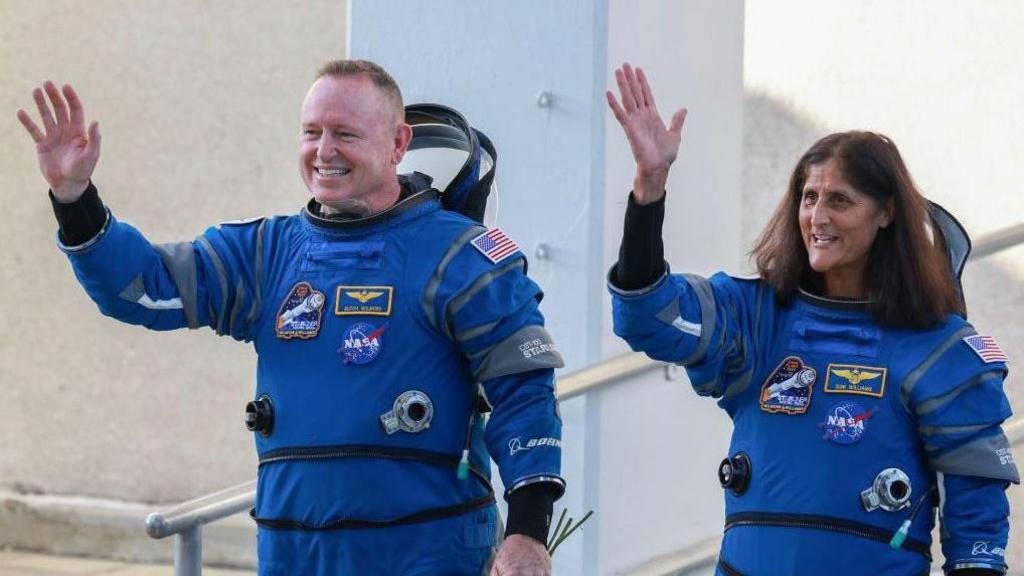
(67, 153)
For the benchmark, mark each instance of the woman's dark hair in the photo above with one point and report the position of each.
(909, 280)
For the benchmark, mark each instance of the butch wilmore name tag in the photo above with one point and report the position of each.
(363, 301)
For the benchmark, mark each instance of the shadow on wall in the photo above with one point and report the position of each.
(775, 135)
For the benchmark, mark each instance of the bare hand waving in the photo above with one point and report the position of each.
(654, 145)
(67, 153)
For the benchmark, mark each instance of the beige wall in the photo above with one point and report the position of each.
(942, 78)
(198, 104)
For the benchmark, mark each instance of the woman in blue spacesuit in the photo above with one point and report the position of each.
(856, 387)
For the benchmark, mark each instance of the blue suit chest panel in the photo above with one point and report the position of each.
(817, 461)
(374, 343)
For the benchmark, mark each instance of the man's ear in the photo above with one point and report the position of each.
(403, 136)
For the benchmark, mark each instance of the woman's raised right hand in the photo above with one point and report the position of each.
(67, 152)
(654, 145)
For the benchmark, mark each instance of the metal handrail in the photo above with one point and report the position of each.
(997, 241)
(186, 520)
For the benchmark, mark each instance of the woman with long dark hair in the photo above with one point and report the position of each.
(857, 389)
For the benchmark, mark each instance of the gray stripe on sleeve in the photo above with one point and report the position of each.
(933, 404)
(430, 293)
(708, 315)
(529, 348)
(135, 290)
(757, 321)
(475, 331)
(907, 386)
(222, 278)
(670, 315)
(707, 388)
(237, 308)
(739, 385)
(180, 260)
(939, 430)
(459, 301)
(257, 301)
(989, 457)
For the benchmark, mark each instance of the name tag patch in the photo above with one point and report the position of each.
(301, 313)
(788, 389)
(852, 379)
(363, 301)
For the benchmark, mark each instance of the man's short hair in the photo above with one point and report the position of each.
(380, 77)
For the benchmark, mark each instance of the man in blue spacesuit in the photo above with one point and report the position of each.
(385, 327)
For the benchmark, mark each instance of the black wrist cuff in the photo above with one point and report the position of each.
(81, 220)
(975, 572)
(529, 511)
(642, 253)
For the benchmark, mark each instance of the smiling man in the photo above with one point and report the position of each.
(385, 327)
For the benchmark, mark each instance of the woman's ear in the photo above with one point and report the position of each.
(887, 213)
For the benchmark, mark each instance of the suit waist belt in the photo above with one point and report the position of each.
(371, 451)
(827, 523)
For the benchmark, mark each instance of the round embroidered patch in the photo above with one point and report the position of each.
(845, 423)
(362, 343)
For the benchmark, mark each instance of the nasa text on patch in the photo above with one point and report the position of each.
(300, 313)
(363, 301)
(853, 379)
(788, 389)
(495, 245)
(362, 343)
(845, 423)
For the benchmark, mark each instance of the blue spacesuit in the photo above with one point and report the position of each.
(381, 341)
(841, 427)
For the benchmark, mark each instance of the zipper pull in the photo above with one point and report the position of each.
(463, 472)
(900, 536)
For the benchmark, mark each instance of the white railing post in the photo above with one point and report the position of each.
(188, 552)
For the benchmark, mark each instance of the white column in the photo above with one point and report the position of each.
(492, 61)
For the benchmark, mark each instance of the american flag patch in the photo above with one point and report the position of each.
(495, 245)
(986, 348)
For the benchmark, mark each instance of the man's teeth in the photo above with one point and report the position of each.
(332, 171)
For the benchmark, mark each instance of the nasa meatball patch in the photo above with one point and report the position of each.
(301, 313)
(787, 390)
(845, 423)
(362, 344)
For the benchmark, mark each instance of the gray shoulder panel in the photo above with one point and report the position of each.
(989, 457)
(180, 260)
(530, 348)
